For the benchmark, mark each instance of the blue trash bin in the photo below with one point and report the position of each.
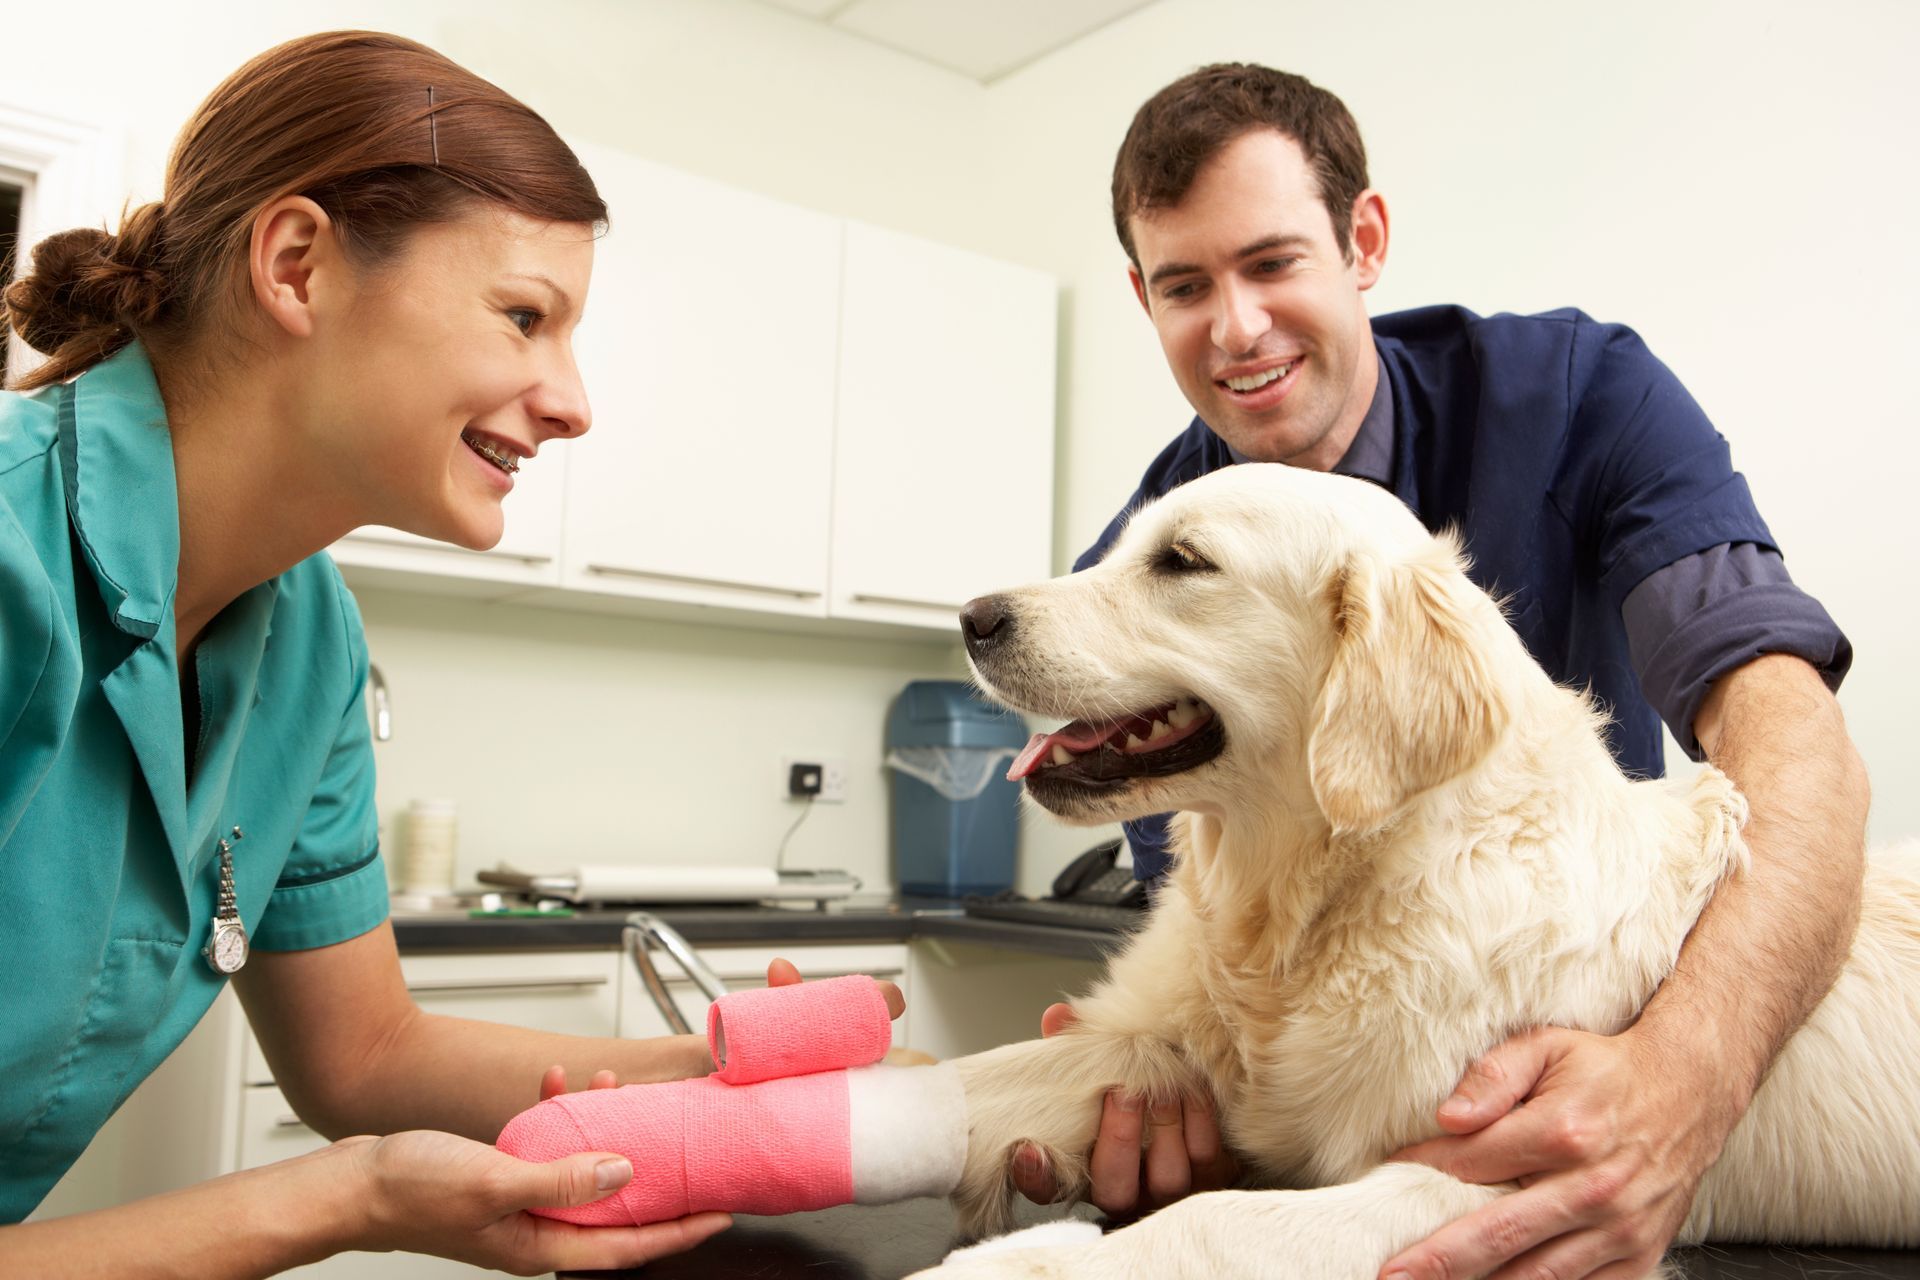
(955, 815)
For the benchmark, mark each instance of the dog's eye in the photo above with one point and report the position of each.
(1181, 558)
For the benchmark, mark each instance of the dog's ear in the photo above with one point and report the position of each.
(1410, 699)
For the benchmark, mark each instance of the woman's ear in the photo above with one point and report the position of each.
(1411, 699)
(293, 242)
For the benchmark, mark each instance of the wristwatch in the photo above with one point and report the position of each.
(226, 949)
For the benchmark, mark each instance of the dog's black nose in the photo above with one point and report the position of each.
(983, 621)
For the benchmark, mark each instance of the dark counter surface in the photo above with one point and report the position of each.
(888, 1241)
(896, 920)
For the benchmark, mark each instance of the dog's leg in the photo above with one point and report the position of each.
(1049, 1093)
(1127, 1034)
(1333, 1233)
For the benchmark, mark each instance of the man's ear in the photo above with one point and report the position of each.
(1368, 242)
(1411, 699)
(1139, 288)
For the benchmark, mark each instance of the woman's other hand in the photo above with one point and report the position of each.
(428, 1192)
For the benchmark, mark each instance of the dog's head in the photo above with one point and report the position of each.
(1263, 632)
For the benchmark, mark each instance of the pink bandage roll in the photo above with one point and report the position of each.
(795, 1030)
(779, 1147)
(872, 1135)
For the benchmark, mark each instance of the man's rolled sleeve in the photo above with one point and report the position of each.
(1707, 614)
(334, 884)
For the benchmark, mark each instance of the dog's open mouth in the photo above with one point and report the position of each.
(1149, 744)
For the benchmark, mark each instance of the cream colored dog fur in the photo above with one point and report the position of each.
(1412, 846)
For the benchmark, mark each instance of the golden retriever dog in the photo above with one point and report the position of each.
(1399, 844)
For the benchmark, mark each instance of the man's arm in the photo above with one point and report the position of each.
(1618, 1130)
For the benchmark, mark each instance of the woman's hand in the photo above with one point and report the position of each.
(428, 1192)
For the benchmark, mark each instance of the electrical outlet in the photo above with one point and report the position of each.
(830, 770)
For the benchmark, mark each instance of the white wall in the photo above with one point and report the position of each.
(1734, 180)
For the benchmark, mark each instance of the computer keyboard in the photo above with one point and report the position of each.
(1052, 911)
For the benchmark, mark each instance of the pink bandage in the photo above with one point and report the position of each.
(794, 1030)
(781, 1146)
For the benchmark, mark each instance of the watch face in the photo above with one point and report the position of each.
(228, 951)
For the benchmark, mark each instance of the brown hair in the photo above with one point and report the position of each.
(1193, 119)
(384, 134)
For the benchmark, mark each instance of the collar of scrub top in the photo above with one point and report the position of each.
(116, 456)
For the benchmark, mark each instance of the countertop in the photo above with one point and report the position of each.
(894, 920)
(888, 1241)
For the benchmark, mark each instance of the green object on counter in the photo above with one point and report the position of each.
(535, 913)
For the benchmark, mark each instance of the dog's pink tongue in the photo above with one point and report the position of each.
(1076, 737)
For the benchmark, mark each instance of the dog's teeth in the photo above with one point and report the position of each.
(1133, 742)
(1159, 731)
(1061, 755)
(1182, 714)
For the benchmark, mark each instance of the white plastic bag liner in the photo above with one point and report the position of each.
(957, 773)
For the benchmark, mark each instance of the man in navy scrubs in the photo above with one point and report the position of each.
(1595, 496)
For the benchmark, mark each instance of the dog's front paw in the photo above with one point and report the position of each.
(1050, 1251)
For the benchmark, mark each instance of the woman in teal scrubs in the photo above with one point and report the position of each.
(353, 306)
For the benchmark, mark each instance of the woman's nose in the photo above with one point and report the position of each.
(562, 402)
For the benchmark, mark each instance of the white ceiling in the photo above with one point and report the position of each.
(983, 39)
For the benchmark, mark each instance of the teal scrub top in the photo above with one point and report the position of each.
(109, 868)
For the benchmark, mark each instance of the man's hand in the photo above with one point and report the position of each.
(1608, 1137)
(428, 1192)
(1185, 1155)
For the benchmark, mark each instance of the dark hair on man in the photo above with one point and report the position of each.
(1186, 124)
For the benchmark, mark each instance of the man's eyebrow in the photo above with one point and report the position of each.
(1267, 244)
(566, 303)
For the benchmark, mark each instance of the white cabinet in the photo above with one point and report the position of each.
(943, 480)
(708, 354)
(794, 417)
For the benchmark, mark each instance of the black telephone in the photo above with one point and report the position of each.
(1093, 878)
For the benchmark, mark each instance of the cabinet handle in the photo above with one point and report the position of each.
(447, 548)
(861, 597)
(500, 984)
(692, 581)
(289, 1121)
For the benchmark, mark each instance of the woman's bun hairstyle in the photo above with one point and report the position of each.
(87, 291)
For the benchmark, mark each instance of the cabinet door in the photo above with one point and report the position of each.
(943, 484)
(708, 353)
(527, 555)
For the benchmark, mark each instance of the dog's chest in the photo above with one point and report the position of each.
(1343, 1057)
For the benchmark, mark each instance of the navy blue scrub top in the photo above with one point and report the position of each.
(108, 868)
(1573, 464)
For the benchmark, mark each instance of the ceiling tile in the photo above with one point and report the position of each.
(981, 39)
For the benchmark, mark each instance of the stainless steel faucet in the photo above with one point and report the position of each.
(382, 709)
(643, 931)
